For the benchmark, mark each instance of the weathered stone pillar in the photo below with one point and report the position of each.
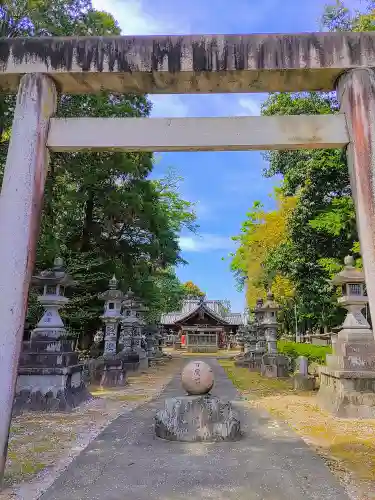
(356, 92)
(20, 209)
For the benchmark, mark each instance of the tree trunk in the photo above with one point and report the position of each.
(88, 223)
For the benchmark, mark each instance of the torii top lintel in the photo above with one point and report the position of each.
(188, 64)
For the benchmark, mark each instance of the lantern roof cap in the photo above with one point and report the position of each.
(133, 302)
(57, 275)
(270, 302)
(113, 282)
(112, 293)
(259, 303)
(350, 274)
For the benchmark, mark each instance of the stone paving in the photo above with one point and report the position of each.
(128, 462)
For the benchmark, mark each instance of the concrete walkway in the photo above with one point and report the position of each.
(126, 462)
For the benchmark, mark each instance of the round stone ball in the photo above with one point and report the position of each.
(197, 378)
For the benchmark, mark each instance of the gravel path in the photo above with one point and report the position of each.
(127, 462)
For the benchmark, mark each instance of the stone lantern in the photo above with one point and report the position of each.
(52, 283)
(270, 310)
(240, 338)
(110, 371)
(347, 382)
(246, 359)
(246, 339)
(111, 316)
(274, 365)
(259, 314)
(49, 374)
(354, 298)
(158, 341)
(132, 324)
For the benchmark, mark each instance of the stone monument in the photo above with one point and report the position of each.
(199, 416)
(347, 382)
(274, 365)
(49, 374)
(302, 381)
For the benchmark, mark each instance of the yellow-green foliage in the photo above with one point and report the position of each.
(261, 233)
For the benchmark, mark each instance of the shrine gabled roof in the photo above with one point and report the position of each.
(214, 308)
(207, 310)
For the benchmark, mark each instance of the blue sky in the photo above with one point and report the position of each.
(222, 184)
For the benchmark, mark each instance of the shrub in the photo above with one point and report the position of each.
(314, 353)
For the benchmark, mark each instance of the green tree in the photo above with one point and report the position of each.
(102, 213)
(322, 228)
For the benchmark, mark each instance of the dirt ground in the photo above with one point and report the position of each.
(347, 445)
(41, 444)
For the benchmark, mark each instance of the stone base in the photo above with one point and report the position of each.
(275, 366)
(111, 373)
(252, 362)
(303, 383)
(197, 418)
(50, 377)
(143, 364)
(130, 360)
(50, 389)
(347, 394)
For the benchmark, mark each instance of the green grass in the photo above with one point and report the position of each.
(252, 383)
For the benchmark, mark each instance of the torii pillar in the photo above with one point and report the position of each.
(20, 210)
(356, 92)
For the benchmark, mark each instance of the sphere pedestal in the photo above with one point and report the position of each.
(197, 418)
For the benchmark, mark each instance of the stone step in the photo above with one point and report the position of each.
(48, 359)
(48, 346)
(51, 370)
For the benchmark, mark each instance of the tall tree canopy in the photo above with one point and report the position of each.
(102, 213)
(313, 237)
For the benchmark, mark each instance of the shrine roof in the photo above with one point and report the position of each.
(188, 64)
(213, 307)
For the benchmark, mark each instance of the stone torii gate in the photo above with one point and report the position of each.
(38, 68)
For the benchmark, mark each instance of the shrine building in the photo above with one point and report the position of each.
(202, 325)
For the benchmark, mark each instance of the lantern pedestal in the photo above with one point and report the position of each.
(110, 372)
(347, 382)
(347, 394)
(50, 377)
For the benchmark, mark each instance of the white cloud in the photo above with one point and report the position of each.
(206, 243)
(135, 20)
(248, 107)
(168, 105)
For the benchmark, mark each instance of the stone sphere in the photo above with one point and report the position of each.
(197, 378)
